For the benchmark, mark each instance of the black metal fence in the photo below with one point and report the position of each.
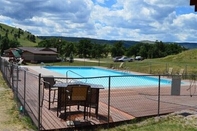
(121, 99)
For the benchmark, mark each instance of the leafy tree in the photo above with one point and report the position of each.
(84, 48)
(13, 44)
(96, 51)
(68, 48)
(4, 44)
(71, 59)
(117, 49)
(106, 48)
(32, 38)
(134, 50)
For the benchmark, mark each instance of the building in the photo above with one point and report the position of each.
(37, 54)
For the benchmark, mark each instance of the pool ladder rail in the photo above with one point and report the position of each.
(75, 74)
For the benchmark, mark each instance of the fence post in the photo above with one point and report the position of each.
(12, 77)
(24, 89)
(158, 113)
(39, 77)
(108, 118)
(17, 79)
(185, 74)
(150, 68)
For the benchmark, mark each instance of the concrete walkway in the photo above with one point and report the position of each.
(43, 71)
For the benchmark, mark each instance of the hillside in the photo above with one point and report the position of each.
(189, 56)
(19, 34)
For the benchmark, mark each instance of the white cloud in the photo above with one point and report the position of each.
(103, 19)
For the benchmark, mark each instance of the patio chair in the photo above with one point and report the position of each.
(121, 65)
(181, 72)
(48, 82)
(169, 72)
(72, 95)
(20, 61)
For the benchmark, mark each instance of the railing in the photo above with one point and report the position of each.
(75, 74)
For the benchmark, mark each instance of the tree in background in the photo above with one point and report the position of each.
(154, 50)
(67, 49)
(71, 58)
(117, 49)
(96, 51)
(5, 44)
(84, 48)
(31, 38)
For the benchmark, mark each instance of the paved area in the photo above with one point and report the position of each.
(43, 71)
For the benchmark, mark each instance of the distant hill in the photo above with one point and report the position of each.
(98, 41)
(126, 43)
(189, 45)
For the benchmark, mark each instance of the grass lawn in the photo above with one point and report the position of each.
(172, 122)
(10, 117)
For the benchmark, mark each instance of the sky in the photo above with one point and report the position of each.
(162, 20)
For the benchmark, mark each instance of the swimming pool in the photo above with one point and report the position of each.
(117, 78)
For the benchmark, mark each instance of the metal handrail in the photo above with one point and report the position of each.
(76, 74)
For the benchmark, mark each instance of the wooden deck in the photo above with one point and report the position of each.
(125, 104)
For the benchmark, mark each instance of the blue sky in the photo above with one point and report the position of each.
(163, 20)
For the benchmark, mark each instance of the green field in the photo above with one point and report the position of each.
(186, 60)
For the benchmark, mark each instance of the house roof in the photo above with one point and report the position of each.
(38, 50)
(15, 53)
(12, 52)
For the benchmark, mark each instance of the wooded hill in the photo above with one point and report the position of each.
(25, 38)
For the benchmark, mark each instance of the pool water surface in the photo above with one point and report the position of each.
(117, 78)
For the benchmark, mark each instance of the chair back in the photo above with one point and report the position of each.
(72, 95)
(181, 72)
(79, 93)
(48, 81)
(170, 71)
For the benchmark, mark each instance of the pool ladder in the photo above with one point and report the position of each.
(75, 74)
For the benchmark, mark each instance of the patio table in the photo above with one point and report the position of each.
(93, 100)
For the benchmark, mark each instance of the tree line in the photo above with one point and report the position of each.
(87, 49)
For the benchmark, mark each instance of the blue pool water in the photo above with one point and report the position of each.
(117, 78)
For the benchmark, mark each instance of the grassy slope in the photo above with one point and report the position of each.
(23, 38)
(172, 122)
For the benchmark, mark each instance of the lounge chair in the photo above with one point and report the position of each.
(169, 72)
(181, 72)
(20, 61)
(121, 65)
